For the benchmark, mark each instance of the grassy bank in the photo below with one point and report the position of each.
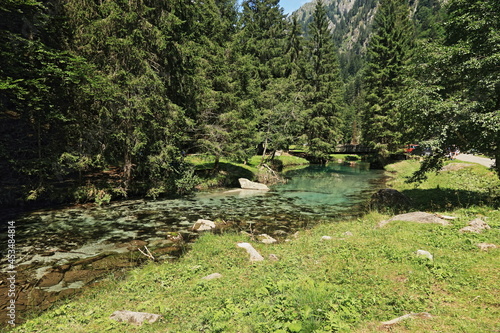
(350, 283)
(228, 172)
(457, 185)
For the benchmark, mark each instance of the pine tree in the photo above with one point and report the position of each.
(324, 101)
(138, 126)
(388, 52)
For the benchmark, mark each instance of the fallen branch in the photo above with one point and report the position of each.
(272, 171)
(425, 315)
(148, 254)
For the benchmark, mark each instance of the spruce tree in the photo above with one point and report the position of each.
(262, 43)
(324, 100)
(389, 49)
(138, 126)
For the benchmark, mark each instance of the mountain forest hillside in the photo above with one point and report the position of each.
(351, 24)
(103, 100)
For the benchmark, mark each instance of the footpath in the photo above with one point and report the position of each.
(487, 162)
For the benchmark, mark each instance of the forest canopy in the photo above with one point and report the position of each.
(106, 98)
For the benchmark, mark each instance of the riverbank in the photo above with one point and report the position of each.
(225, 173)
(352, 280)
(101, 188)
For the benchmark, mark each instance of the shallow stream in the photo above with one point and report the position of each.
(61, 250)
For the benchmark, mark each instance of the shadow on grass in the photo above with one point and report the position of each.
(446, 199)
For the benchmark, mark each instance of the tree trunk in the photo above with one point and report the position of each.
(216, 164)
(265, 144)
(497, 161)
(127, 169)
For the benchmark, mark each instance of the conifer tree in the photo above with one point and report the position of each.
(388, 52)
(324, 103)
(224, 128)
(262, 43)
(129, 43)
(38, 82)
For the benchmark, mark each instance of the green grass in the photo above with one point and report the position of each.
(229, 171)
(347, 284)
(466, 185)
(345, 157)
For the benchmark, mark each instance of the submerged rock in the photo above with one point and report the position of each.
(50, 279)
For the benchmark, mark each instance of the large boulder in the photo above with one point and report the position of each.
(250, 185)
(203, 225)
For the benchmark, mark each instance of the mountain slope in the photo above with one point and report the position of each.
(351, 24)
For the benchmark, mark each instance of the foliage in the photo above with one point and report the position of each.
(324, 97)
(456, 185)
(388, 51)
(133, 86)
(454, 87)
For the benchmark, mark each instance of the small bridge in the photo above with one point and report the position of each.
(354, 149)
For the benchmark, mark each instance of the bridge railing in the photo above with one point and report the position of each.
(354, 149)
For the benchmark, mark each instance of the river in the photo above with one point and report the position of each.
(58, 251)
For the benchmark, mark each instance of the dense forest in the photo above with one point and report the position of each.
(105, 98)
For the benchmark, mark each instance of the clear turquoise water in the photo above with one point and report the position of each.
(311, 193)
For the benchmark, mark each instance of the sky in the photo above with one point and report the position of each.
(291, 5)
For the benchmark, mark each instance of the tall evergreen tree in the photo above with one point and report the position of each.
(225, 128)
(38, 80)
(139, 127)
(324, 101)
(389, 49)
(263, 36)
(262, 42)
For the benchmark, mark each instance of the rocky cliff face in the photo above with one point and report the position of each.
(351, 23)
(350, 20)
